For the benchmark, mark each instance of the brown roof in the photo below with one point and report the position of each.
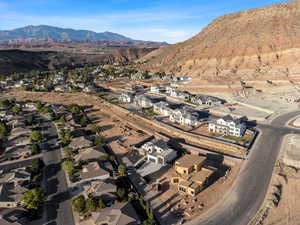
(190, 160)
(202, 175)
(93, 169)
(80, 142)
(118, 214)
(90, 153)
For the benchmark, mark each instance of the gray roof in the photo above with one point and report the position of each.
(13, 216)
(160, 143)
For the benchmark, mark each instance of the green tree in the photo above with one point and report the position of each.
(4, 130)
(29, 120)
(78, 204)
(91, 205)
(69, 167)
(35, 149)
(104, 158)
(69, 152)
(33, 199)
(36, 166)
(95, 129)
(84, 120)
(75, 109)
(16, 109)
(4, 103)
(121, 193)
(36, 136)
(65, 136)
(101, 204)
(122, 170)
(62, 119)
(99, 141)
(39, 106)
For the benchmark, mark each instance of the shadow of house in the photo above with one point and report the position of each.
(107, 127)
(114, 138)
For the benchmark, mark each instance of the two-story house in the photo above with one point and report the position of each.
(185, 116)
(228, 126)
(158, 152)
(191, 175)
(126, 97)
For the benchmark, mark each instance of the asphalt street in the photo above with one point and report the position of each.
(58, 208)
(240, 204)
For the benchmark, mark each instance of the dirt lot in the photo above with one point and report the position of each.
(169, 203)
(288, 210)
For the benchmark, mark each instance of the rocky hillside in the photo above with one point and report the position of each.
(254, 44)
(23, 61)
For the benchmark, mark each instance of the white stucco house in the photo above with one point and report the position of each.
(228, 126)
(184, 116)
(158, 152)
(126, 97)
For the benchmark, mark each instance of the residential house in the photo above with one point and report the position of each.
(19, 137)
(59, 110)
(135, 88)
(61, 88)
(140, 75)
(87, 154)
(93, 171)
(206, 100)
(162, 108)
(30, 105)
(183, 95)
(191, 176)
(13, 216)
(185, 116)
(90, 89)
(169, 89)
(146, 101)
(3, 113)
(17, 152)
(58, 79)
(126, 97)
(101, 189)
(80, 143)
(13, 185)
(158, 152)
(118, 214)
(228, 126)
(158, 89)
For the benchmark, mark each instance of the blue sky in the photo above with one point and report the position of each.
(157, 20)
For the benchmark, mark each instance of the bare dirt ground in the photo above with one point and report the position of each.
(287, 212)
(170, 202)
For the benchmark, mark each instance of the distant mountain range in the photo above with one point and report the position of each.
(57, 34)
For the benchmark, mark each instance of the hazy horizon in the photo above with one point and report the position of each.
(170, 21)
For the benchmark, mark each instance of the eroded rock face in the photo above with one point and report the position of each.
(255, 44)
(12, 61)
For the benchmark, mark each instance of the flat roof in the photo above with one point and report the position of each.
(202, 175)
(190, 160)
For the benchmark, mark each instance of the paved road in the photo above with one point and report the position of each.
(242, 202)
(58, 208)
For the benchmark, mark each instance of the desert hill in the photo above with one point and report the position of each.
(24, 61)
(257, 44)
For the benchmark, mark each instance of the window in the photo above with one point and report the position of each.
(182, 189)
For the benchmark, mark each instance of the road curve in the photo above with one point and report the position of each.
(241, 203)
